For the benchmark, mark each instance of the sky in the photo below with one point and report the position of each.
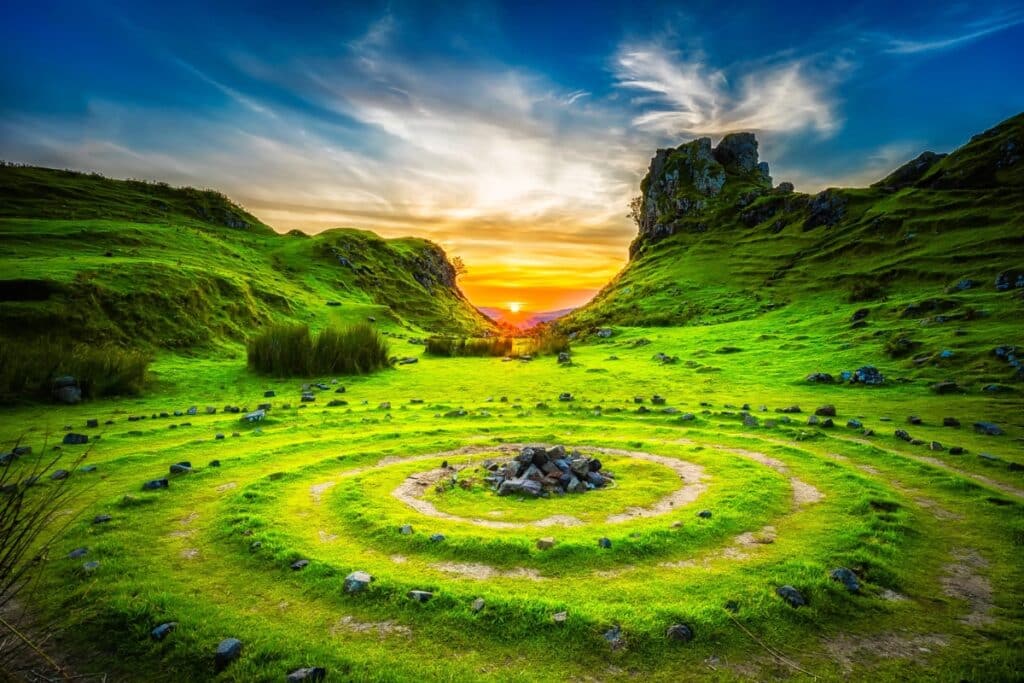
(513, 134)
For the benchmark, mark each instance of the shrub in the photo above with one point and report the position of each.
(28, 370)
(453, 346)
(548, 341)
(288, 349)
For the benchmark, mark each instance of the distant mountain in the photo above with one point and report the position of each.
(522, 319)
(89, 259)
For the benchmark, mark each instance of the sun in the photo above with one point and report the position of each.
(514, 306)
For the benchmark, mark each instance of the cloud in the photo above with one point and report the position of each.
(681, 95)
(974, 31)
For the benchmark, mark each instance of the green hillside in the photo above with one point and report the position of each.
(920, 252)
(89, 259)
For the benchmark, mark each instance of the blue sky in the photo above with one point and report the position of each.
(513, 134)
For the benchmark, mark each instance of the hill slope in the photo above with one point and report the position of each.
(91, 259)
(933, 249)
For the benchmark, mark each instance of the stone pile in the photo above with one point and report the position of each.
(539, 471)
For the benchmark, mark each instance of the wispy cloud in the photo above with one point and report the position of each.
(685, 95)
(968, 33)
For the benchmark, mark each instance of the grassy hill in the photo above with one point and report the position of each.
(920, 251)
(88, 259)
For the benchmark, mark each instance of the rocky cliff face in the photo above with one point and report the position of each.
(692, 179)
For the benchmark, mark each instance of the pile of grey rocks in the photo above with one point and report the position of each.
(539, 471)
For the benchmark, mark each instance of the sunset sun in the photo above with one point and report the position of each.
(514, 306)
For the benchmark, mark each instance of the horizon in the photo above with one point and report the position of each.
(490, 129)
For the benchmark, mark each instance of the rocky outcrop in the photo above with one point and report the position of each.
(910, 172)
(688, 180)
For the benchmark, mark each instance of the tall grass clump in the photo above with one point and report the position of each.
(548, 341)
(455, 346)
(27, 371)
(291, 350)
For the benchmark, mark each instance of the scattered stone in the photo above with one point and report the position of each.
(215, 463)
(228, 650)
(869, 375)
(310, 673)
(255, 416)
(956, 450)
(854, 423)
(790, 410)
(437, 538)
(820, 378)
(826, 411)
(58, 475)
(308, 397)
(336, 403)
(78, 553)
(269, 393)
(791, 596)
(560, 617)
(614, 637)
(687, 417)
(408, 360)
(935, 446)
(72, 439)
(218, 437)
(987, 428)
(299, 564)
(950, 422)
(183, 467)
(845, 577)
(902, 435)
(92, 424)
(679, 633)
(420, 596)
(90, 567)
(605, 543)
(704, 514)
(101, 519)
(156, 484)
(357, 581)
(546, 543)
(477, 606)
(405, 529)
(750, 421)
(564, 358)
(565, 396)
(947, 387)
(163, 630)
(913, 420)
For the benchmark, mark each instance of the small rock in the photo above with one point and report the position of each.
(101, 519)
(854, 424)
(181, 468)
(679, 633)
(902, 435)
(156, 484)
(477, 606)
(78, 553)
(704, 514)
(299, 564)
(956, 450)
(791, 596)
(559, 617)
(437, 538)
(357, 581)
(228, 650)
(826, 411)
(59, 475)
(92, 424)
(163, 630)
(420, 596)
(845, 577)
(545, 543)
(405, 529)
(604, 543)
(270, 393)
(950, 422)
(987, 428)
(72, 439)
(310, 673)
(935, 446)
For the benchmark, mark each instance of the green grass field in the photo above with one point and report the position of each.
(935, 538)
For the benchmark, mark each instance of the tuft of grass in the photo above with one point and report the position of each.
(27, 371)
(290, 349)
(449, 347)
(548, 341)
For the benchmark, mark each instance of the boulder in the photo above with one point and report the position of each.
(73, 439)
(183, 467)
(869, 375)
(826, 411)
(255, 416)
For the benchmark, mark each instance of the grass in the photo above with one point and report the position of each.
(28, 371)
(655, 574)
(292, 350)
(459, 346)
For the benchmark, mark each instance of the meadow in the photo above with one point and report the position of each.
(934, 539)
